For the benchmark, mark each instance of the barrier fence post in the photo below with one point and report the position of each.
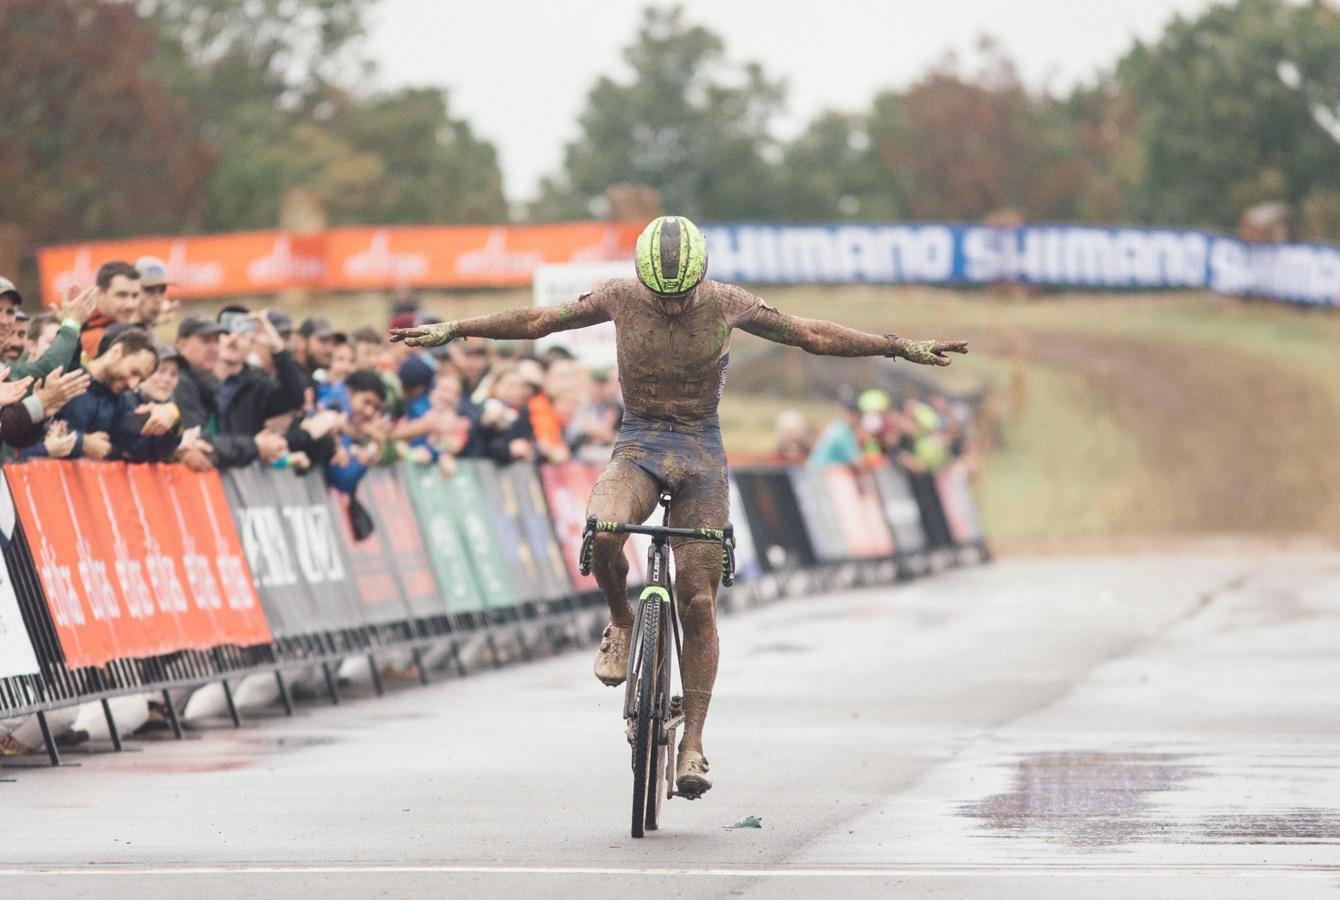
(111, 725)
(377, 685)
(419, 664)
(232, 705)
(284, 697)
(171, 714)
(330, 684)
(52, 753)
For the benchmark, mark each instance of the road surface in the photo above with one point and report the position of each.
(1148, 726)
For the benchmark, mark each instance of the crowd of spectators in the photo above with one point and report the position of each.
(245, 386)
(921, 435)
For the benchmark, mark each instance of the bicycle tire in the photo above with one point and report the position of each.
(655, 766)
(643, 738)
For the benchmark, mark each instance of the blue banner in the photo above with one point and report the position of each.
(1075, 256)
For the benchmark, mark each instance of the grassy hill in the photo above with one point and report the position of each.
(1151, 416)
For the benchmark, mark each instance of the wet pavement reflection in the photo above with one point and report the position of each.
(1096, 800)
(1083, 799)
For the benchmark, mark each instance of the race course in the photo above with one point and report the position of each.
(1138, 726)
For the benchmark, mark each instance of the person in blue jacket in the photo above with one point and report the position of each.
(103, 419)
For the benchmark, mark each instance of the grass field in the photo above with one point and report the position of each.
(1122, 415)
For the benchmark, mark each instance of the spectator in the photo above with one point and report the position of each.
(416, 380)
(594, 426)
(197, 396)
(118, 300)
(41, 335)
(472, 361)
(370, 352)
(156, 308)
(248, 396)
(503, 432)
(13, 349)
(331, 394)
(361, 445)
(316, 343)
(263, 352)
(369, 349)
(840, 442)
(159, 387)
(451, 430)
(101, 419)
(795, 439)
(64, 347)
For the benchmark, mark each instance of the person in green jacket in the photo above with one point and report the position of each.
(64, 350)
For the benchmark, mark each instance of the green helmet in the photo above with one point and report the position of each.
(671, 256)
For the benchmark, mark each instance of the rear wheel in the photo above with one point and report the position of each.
(644, 726)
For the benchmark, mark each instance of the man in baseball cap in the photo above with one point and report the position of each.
(155, 306)
(316, 343)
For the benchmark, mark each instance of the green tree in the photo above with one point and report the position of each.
(1237, 106)
(832, 172)
(270, 85)
(435, 168)
(93, 145)
(689, 124)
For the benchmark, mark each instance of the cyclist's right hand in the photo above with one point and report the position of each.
(427, 335)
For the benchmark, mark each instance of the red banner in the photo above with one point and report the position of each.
(135, 561)
(345, 259)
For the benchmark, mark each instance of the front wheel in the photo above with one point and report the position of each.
(644, 726)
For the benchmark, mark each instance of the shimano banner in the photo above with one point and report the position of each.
(1045, 255)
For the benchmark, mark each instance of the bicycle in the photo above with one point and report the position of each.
(653, 713)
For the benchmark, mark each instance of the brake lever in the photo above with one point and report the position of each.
(588, 542)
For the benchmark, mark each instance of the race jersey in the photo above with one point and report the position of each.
(672, 367)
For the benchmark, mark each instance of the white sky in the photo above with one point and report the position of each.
(519, 70)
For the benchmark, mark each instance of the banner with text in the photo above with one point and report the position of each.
(1074, 256)
(345, 259)
(300, 566)
(132, 560)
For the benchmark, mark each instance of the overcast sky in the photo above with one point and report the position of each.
(520, 70)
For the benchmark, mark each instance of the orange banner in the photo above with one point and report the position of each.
(135, 560)
(346, 259)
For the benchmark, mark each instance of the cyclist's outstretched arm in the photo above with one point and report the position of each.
(825, 338)
(524, 323)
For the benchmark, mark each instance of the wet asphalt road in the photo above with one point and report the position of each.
(1131, 727)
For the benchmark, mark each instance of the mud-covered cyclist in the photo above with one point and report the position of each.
(673, 329)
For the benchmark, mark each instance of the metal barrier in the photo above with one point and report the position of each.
(484, 556)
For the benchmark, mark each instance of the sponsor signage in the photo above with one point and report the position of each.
(1079, 256)
(345, 259)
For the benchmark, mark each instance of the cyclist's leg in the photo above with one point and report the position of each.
(624, 493)
(702, 501)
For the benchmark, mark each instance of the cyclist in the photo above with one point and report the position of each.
(673, 328)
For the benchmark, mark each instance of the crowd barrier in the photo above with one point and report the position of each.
(126, 579)
(1054, 256)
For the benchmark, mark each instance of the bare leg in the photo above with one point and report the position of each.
(624, 493)
(697, 573)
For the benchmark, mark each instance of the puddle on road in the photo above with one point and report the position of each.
(1291, 826)
(1100, 800)
(1083, 799)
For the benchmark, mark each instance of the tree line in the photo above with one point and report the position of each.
(179, 116)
